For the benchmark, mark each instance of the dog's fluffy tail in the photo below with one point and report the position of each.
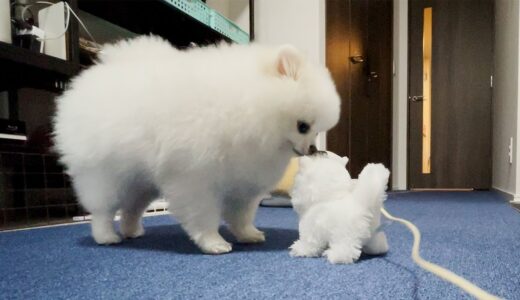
(371, 186)
(142, 47)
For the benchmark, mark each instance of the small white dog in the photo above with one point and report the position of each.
(211, 129)
(339, 217)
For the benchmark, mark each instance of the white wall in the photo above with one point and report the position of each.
(5, 21)
(301, 23)
(505, 96)
(400, 96)
(296, 22)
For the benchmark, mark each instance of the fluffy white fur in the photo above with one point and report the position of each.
(211, 129)
(339, 216)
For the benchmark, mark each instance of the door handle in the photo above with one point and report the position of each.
(416, 98)
(372, 76)
(357, 59)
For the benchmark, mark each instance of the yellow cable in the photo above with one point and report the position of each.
(437, 270)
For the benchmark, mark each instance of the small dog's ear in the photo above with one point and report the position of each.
(345, 160)
(289, 62)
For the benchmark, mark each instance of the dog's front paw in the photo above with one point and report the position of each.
(342, 255)
(302, 249)
(107, 238)
(217, 248)
(249, 235)
(214, 245)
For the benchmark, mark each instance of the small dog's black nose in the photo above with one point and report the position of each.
(312, 149)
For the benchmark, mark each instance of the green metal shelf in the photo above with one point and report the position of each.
(211, 18)
(180, 21)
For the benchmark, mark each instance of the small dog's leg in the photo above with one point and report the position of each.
(343, 252)
(306, 248)
(199, 212)
(312, 239)
(240, 215)
(376, 245)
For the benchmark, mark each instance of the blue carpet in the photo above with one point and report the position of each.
(477, 235)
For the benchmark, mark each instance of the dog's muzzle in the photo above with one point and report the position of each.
(313, 150)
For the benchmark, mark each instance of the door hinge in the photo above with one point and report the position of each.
(491, 81)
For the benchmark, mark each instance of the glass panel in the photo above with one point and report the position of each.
(427, 91)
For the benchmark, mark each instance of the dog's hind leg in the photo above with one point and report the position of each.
(345, 246)
(134, 201)
(306, 248)
(377, 244)
(311, 242)
(344, 251)
(97, 192)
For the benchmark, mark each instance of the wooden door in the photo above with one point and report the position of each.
(450, 93)
(359, 56)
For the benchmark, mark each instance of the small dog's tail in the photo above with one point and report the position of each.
(371, 186)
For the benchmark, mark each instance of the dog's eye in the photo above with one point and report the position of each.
(303, 127)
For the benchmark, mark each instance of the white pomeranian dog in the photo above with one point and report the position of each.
(339, 217)
(210, 129)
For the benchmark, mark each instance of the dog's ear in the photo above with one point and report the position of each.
(289, 62)
(345, 160)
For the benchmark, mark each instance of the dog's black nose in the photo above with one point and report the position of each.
(312, 149)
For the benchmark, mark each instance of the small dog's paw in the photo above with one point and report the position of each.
(132, 232)
(302, 249)
(342, 256)
(376, 245)
(107, 238)
(250, 235)
(214, 244)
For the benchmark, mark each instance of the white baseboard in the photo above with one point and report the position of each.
(158, 205)
(512, 198)
(82, 220)
(156, 208)
(516, 199)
